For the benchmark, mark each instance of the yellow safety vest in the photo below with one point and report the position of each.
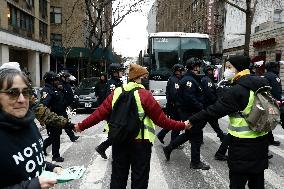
(149, 126)
(238, 126)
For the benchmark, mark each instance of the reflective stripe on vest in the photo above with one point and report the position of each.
(238, 126)
(149, 126)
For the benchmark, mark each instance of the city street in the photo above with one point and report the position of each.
(175, 174)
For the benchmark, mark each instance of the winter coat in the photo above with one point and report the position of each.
(245, 155)
(275, 84)
(21, 160)
(151, 107)
(209, 91)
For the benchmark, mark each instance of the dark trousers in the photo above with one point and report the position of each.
(136, 155)
(196, 138)
(270, 137)
(70, 133)
(53, 139)
(105, 144)
(164, 132)
(215, 126)
(224, 145)
(239, 180)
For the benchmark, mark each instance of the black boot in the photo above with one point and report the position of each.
(101, 151)
(167, 151)
(73, 139)
(220, 157)
(200, 165)
(58, 159)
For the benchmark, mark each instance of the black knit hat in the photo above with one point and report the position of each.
(240, 62)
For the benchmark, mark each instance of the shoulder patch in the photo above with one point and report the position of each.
(112, 87)
(44, 95)
(210, 84)
(278, 79)
(176, 86)
(189, 84)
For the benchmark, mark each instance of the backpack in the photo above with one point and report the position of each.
(265, 113)
(124, 123)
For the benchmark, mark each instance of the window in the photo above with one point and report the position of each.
(56, 39)
(55, 15)
(43, 30)
(43, 8)
(278, 54)
(23, 21)
(13, 20)
(277, 15)
(30, 3)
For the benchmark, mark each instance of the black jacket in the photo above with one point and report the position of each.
(246, 155)
(172, 88)
(209, 91)
(21, 148)
(111, 85)
(68, 93)
(189, 95)
(100, 91)
(275, 84)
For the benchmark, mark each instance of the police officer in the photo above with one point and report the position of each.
(189, 101)
(54, 100)
(116, 72)
(272, 75)
(68, 99)
(171, 91)
(210, 97)
(100, 87)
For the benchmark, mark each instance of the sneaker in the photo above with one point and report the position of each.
(275, 143)
(58, 159)
(74, 138)
(101, 152)
(161, 139)
(167, 153)
(220, 157)
(200, 165)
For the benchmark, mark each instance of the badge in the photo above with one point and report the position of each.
(278, 79)
(176, 86)
(44, 95)
(112, 87)
(189, 84)
(210, 84)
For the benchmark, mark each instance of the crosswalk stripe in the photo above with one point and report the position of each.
(156, 175)
(270, 176)
(96, 170)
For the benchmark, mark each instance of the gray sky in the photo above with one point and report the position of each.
(131, 35)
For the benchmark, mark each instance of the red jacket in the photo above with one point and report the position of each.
(149, 104)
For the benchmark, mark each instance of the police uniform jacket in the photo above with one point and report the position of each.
(68, 93)
(209, 91)
(53, 99)
(242, 156)
(171, 89)
(111, 85)
(190, 93)
(275, 84)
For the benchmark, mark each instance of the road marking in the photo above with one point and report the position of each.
(96, 171)
(270, 176)
(156, 176)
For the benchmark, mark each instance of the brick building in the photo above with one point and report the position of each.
(24, 35)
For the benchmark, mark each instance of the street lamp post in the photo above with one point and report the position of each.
(78, 71)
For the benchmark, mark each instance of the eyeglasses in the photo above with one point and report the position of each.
(14, 93)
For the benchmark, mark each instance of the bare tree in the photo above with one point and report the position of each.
(102, 17)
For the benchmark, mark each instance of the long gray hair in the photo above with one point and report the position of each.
(8, 75)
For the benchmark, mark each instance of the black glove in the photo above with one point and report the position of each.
(69, 125)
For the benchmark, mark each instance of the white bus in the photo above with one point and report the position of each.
(168, 48)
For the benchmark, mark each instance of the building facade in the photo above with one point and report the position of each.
(24, 35)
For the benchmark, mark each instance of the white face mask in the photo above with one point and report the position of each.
(229, 74)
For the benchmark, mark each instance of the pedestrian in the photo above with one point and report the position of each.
(53, 99)
(272, 75)
(67, 91)
(248, 150)
(100, 87)
(210, 97)
(190, 101)
(171, 95)
(115, 71)
(137, 152)
(21, 159)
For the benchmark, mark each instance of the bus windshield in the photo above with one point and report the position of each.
(167, 51)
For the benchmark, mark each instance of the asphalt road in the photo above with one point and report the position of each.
(175, 174)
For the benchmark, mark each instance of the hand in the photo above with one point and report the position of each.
(77, 129)
(58, 170)
(188, 125)
(46, 183)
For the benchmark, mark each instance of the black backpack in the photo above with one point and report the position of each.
(124, 123)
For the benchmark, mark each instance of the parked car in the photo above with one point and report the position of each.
(84, 95)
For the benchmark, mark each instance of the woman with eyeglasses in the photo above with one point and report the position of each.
(21, 160)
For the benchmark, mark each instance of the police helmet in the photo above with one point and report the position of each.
(192, 62)
(207, 68)
(271, 65)
(49, 77)
(115, 67)
(178, 67)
